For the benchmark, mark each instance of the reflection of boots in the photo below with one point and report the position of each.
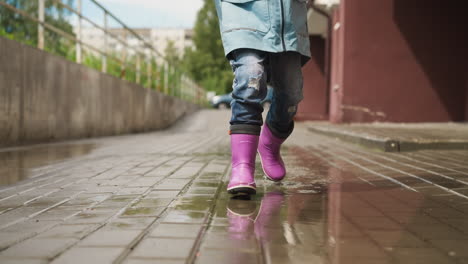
(269, 150)
(244, 150)
(269, 208)
(240, 216)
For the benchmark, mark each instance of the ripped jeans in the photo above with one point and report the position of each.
(252, 70)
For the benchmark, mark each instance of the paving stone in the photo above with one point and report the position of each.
(212, 256)
(359, 247)
(162, 194)
(242, 242)
(419, 255)
(56, 214)
(176, 230)
(144, 182)
(89, 217)
(132, 190)
(454, 248)
(161, 172)
(142, 212)
(171, 184)
(154, 202)
(205, 191)
(13, 215)
(31, 226)
(21, 260)
(281, 253)
(39, 247)
(376, 223)
(68, 231)
(186, 172)
(179, 216)
(446, 213)
(122, 198)
(81, 255)
(395, 238)
(8, 239)
(133, 223)
(154, 260)
(436, 232)
(163, 248)
(111, 238)
(459, 224)
(102, 189)
(86, 199)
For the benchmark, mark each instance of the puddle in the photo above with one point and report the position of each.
(18, 164)
(323, 213)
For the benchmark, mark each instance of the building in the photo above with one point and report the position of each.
(157, 37)
(386, 60)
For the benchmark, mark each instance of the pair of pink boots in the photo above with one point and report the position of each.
(244, 149)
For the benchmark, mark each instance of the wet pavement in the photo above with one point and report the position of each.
(160, 198)
(19, 163)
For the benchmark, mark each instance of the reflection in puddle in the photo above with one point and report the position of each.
(279, 225)
(18, 164)
(283, 222)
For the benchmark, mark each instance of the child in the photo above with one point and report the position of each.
(265, 41)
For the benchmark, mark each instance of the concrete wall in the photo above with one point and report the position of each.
(399, 61)
(45, 98)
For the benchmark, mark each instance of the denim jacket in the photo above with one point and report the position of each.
(267, 25)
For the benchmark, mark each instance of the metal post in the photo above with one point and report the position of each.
(179, 85)
(40, 31)
(124, 56)
(166, 77)
(104, 56)
(182, 87)
(194, 92)
(157, 75)
(78, 34)
(149, 71)
(175, 82)
(138, 68)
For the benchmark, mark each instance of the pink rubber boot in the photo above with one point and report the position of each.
(269, 150)
(244, 150)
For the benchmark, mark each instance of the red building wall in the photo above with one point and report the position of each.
(315, 103)
(466, 99)
(399, 61)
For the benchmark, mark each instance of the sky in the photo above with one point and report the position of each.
(147, 13)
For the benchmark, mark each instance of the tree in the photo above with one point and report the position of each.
(18, 27)
(206, 63)
(171, 54)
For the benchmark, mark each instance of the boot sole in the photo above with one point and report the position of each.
(243, 189)
(264, 172)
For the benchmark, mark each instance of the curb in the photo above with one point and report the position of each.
(387, 144)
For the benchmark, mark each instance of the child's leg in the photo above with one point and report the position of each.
(249, 89)
(287, 82)
(286, 79)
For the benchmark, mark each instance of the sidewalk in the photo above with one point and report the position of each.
(160, 198)
(396, 137)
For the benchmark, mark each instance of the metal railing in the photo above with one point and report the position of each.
(150, 68)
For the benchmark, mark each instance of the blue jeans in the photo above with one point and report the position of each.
(252, 70)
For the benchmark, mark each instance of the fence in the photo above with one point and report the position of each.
(137, 60)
